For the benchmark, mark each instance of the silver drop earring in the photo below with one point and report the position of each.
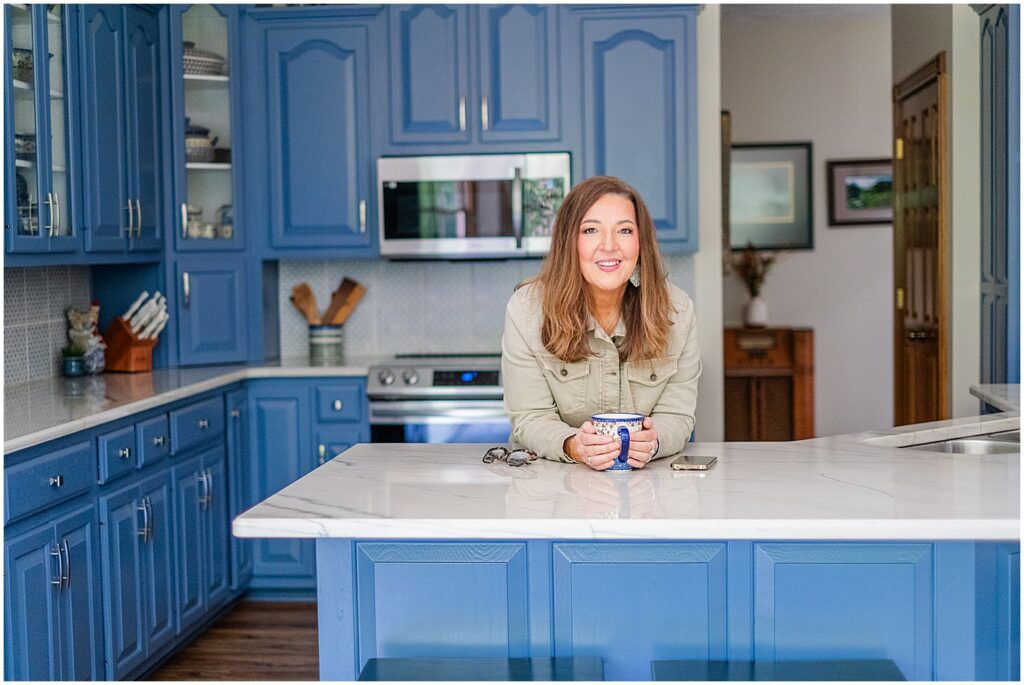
(634, 278)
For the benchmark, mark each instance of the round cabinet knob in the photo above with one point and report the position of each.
(411, 377)
(386, 377)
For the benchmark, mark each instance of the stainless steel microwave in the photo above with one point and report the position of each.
(470, 206)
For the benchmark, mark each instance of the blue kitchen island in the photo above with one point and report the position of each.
(848, 548)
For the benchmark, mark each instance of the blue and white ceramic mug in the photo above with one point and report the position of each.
(619, 426)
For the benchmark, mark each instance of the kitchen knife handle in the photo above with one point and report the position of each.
(462, 114)
(484, 113)
(362, 216)
(49, 203)
(138, 218)
(187, 288)
(131, 217)
(184, 220)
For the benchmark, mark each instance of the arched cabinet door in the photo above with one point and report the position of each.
(639, 91)
(430, 98)
(318, 135)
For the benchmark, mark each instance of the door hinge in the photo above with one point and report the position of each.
(899, 148)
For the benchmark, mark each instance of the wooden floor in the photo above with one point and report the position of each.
(254, 641)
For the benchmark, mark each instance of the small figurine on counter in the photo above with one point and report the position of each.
(82, 332)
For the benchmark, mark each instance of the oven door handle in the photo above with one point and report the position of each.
(486, 411)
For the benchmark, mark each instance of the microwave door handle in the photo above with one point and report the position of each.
(517, 207)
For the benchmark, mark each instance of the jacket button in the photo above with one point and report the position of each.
(564, 372)
(653, 377)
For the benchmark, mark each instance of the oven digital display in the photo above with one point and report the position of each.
(459, 378)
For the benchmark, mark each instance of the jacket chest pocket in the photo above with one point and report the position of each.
(568, 382)
(647, 381)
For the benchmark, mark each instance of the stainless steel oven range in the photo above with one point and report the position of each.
(438, 398)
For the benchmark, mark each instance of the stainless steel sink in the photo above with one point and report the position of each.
(981, 444)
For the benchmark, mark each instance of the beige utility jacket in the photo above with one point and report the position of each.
(547, 400)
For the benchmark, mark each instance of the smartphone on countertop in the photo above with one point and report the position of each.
(693, 462)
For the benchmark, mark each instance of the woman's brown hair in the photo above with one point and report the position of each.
(566, 299)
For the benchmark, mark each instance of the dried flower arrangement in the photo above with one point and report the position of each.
(752, 266)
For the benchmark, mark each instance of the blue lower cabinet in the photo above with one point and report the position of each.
(606, 594)
(202, 527)
(239, 482)
(52, 610)
(138, 591)
(188, 523)
(280, 436)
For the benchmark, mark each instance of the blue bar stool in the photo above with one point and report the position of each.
(555, 668)
(842, 669)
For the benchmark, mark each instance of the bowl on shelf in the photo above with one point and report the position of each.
(21, 64)
(200, 62)
(25, 146)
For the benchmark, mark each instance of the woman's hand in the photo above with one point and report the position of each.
(642, 445)
(596, 450)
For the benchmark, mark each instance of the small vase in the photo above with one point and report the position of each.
(73, 366)
(755, 313)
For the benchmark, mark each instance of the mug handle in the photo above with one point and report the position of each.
(624, 437)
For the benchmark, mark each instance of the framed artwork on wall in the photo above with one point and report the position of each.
(770, 196)
(859, 191)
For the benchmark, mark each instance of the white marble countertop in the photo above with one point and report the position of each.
(828, 489)
(48, 409)
(999, 395)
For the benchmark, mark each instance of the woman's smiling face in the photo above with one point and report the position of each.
(608, 244)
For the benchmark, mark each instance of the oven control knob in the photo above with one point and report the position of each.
(411, 377)
(386, 377)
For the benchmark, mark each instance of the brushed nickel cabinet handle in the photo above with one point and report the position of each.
(204, 499)
(209, 482)
(338, 405)
(138, 218)
(159, 440)
(462, 114)
(131, 217)
(235, 413)
(362, 216)
(67, 564)
(56, 202)
(125, 452)
(49, 203)
(59, 580)
(56, 481)
(149, 518)
(184, 219)
(323, 452)
(186, 287)
(484, 113)
(144, 532)
(204, 423)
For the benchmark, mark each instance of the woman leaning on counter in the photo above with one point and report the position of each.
(600, 329)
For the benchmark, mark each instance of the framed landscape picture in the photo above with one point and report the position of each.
(859, 191)
(770, 200)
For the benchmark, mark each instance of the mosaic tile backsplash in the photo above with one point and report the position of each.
(420, 306)
(35, 327)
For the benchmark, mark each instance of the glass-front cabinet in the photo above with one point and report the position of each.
(205, 127)
(37, 130)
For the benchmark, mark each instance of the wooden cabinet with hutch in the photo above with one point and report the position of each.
(769, 383)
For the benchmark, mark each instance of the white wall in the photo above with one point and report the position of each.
(708, 261)
(823, 77)
(919, 33)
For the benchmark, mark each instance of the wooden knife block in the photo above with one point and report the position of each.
(125, 352)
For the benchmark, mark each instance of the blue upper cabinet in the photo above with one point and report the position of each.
(204, 49)
(38, 134)
(473, 75)
(211, 294)
(120, 117)
(639, 108)
(430, 98)
(308, 87)
(518, 72)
